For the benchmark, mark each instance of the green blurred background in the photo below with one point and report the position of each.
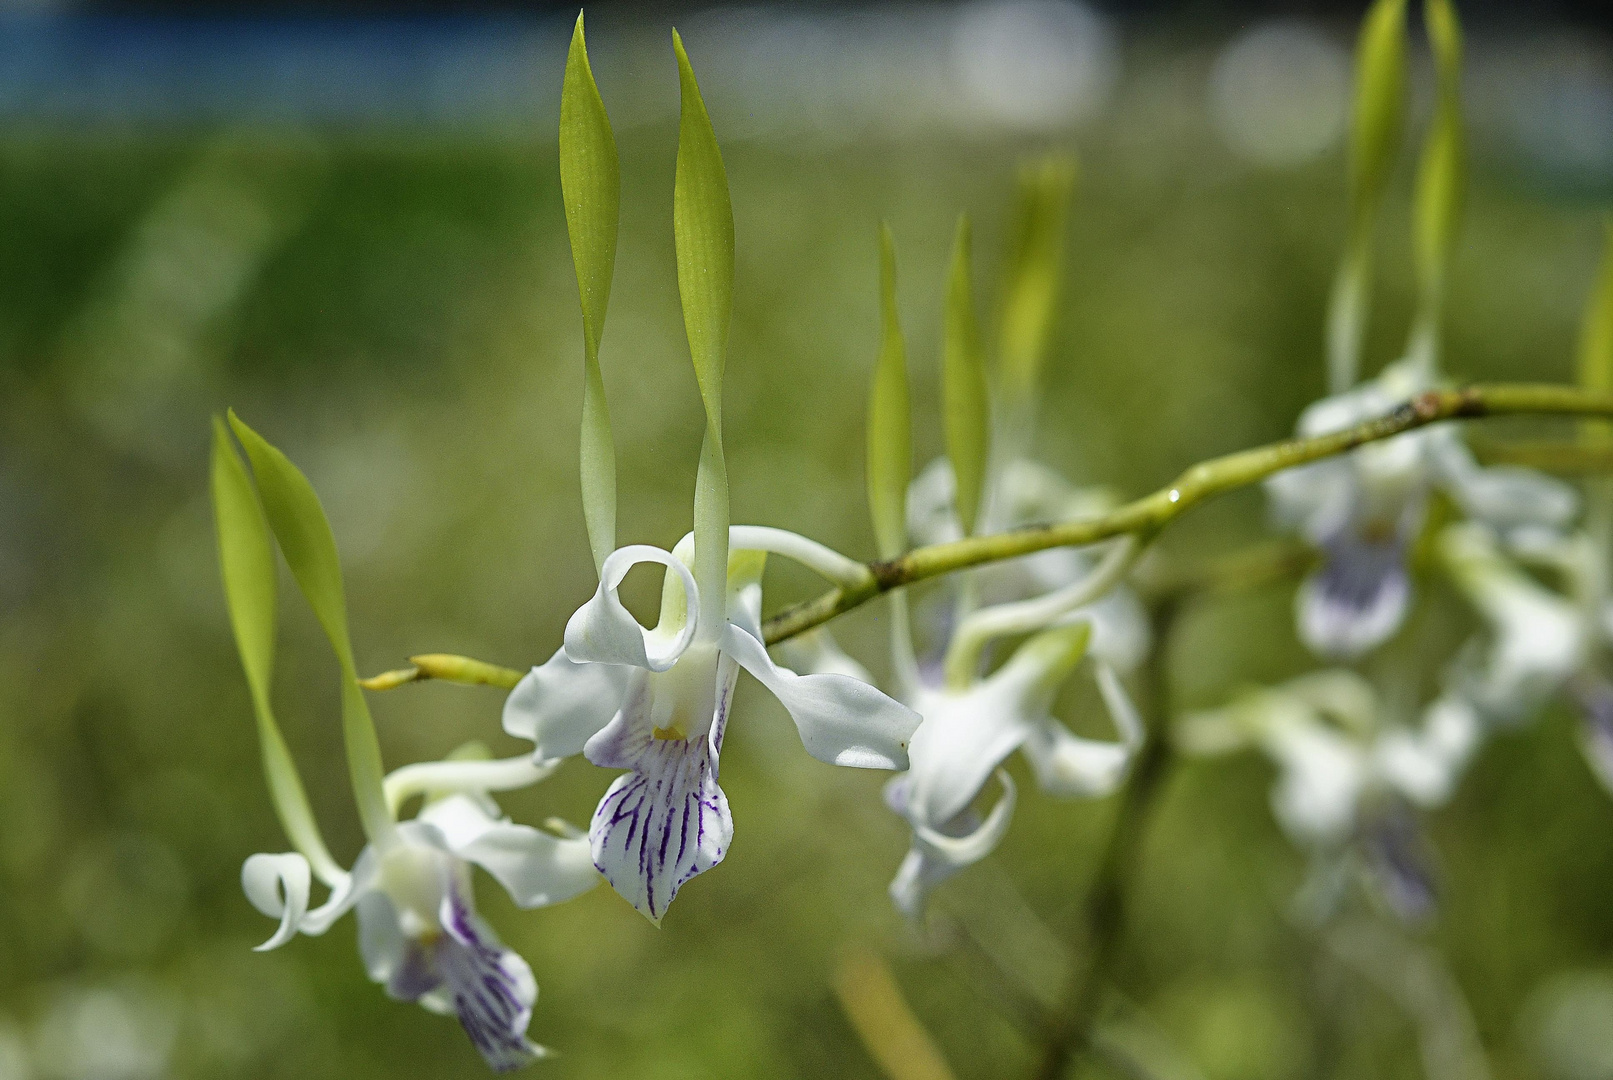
(393, 304)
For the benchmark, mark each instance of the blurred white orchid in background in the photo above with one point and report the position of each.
(1538, 638)
(1364, 510)
(1343, 769)
(967, 735)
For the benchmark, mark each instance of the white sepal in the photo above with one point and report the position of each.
(1067, 765)
(560, 705)
(842, 720)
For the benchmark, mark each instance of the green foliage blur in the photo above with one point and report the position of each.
(399, 314)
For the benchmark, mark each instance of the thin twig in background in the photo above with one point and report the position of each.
(880, 1015)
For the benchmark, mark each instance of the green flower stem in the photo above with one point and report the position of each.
(979, 629)
(1142, 518)
(1146, 516)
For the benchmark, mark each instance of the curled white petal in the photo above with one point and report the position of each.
(602, 631)
(966, 850)
(278, 886)
(842, 720)
(823, 560)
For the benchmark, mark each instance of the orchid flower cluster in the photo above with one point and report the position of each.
(1389, 519)
(977, 665)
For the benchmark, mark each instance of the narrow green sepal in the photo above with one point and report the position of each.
(246, 563)
(963, 385)
(703, 231)
(1375, 133)
(1441, 172)
(1033, 277)
(1380, 104)
(299, 524)
(590, 185)
(890, 433)
(703, 227)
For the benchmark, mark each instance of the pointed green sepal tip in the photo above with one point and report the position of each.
(590, 185)
(1033, 275)
(299, 523)
(1380, 102)
(963, 385)
(1441, 172)
(246, 561)
(703, 228)
(890, 435)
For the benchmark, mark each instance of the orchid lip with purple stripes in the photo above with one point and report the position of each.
(1364, 511)
(655, 702)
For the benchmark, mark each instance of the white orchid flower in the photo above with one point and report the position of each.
(419, 933)
(655, 703)
(1364, 510)
(1076, 605)
(968, 734)
(1325, 734)
(973, 724)
(1347, 780)
(1538, 639)
(1540, 642)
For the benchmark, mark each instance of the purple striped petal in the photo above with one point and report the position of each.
(491, 987)
(1357, 599)
(666, 819)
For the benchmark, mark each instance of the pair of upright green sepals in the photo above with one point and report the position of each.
(250, 518)
(703, 227)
